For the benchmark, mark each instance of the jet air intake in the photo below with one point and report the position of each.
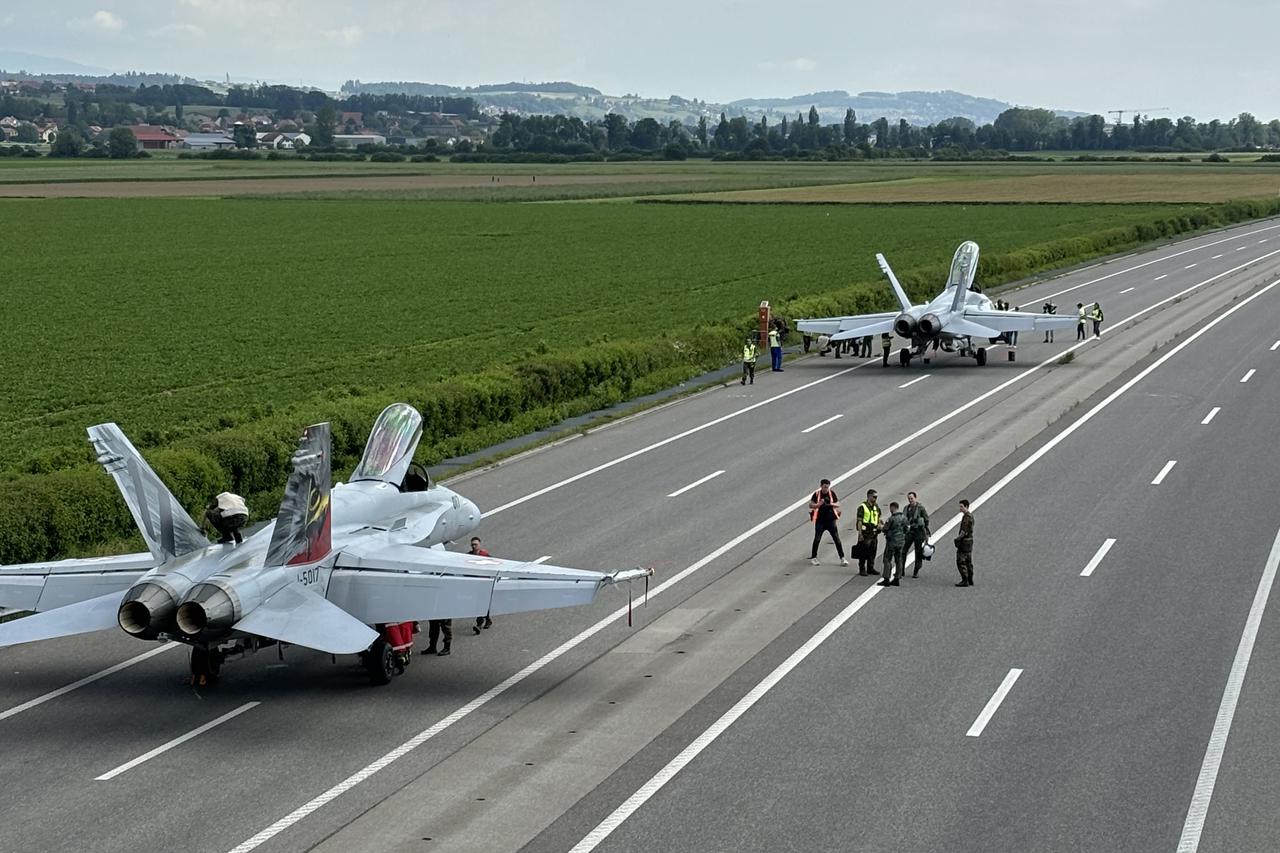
(148, 609)
(930, 326)
(210, 611)
(905, 326)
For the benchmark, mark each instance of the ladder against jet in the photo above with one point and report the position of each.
(334, 563)
(949, 321)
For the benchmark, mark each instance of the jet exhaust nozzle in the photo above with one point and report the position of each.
(930, 326)
(905, 326)
(148, 609)
(209, 611)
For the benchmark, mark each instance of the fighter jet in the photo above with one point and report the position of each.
(950, 321)
(370, 552)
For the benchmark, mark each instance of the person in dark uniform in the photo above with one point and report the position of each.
(436, 628)
(868, 526)
(886, 344)
(824, 510)
(864, 347)
(917, 530)
(481, 621)
(964, 546)
(895, 546)
(1049, 308)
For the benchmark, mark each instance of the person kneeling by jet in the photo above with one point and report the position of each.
(226, 514)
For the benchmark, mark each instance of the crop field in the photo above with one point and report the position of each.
(179, 316)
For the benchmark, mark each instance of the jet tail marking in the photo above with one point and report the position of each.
(303, 523)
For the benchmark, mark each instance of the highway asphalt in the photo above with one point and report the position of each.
(537, 730)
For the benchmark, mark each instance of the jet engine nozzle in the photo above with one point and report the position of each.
(930, 326)
(905, 326)
(148, 609)
(209, 611)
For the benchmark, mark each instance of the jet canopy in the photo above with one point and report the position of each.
(391, 446)
(964, 265)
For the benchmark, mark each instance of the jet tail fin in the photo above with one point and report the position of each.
(303, 524)
(893, 282)
(164, 524)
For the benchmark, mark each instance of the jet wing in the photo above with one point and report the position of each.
(398, 583)
(1017, 321)
(851, 324)
(95, 614)
(300, 617)
(47, 586)
(877, 328)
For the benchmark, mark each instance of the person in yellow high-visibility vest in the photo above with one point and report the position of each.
(867, 523)
(749, 355)
(775, 350)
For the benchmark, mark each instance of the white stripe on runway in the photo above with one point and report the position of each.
(821, 423)
(1213, 413)
(678, 492)
(1188, 266)
(1263, 240)
(111, 670)
(1157, 278)
(993, 703)
(1164, 472)
(914, 381)
(1193, 826)
(1215, 257)
(178, 741)
(1097, 558)
(1275, 346)
(1248, 375)
(543, 558)
(1241, 248)
(1126, 290)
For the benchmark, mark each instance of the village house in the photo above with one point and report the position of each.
(208, 141)
(154, 138)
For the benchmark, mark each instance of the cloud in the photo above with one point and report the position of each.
(800, 63)
(347, 35)
(101, 20)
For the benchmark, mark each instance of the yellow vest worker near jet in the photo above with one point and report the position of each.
(775, 350)
(749, 354)
(868, 527)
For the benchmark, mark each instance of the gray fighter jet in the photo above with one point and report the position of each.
(949, 322)
(333, 563)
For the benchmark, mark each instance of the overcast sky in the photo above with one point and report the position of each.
(1202, 59)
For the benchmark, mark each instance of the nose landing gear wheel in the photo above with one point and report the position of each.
(981, 355)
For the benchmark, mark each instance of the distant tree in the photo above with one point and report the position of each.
(244, 136)
(646, 135)
(722, 139)
(881, 129)
(702, 131)
(224, 113)
(121, 144)
(616, 131)
(326, 121)
(813, 116)
(850, 126)
(27, 133)
(73, 109)
(68, 143)
(177, 112)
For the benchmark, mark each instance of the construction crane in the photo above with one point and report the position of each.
(1119, 114)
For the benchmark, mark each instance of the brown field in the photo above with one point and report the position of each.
(313, 184)
(1201, 185)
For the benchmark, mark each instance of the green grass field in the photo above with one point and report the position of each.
(184, 315)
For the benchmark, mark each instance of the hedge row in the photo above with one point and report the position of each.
(75, 511)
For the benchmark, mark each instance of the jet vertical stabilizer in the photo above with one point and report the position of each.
(165, 526)
(303, 524)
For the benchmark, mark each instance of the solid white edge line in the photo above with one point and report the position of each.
(821, 424)
(1248, 375)
(616, 818)
(1198, 810)
(1126, 290)
(1164, 472)
(669, 772)
(178, 741)
(678, 492)
(993, 704)
(322, 799)
(1213, 413)
(89, 679)
(914, 381)
(1096, 560)
(543, 558)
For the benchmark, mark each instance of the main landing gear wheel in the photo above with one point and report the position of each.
(981, 355)
(205, 666)
(380, 662)
(904, 357)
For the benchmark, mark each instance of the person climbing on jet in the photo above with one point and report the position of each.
(226, 514)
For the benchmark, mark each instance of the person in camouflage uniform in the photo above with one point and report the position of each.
(964, 546)
(895, 546)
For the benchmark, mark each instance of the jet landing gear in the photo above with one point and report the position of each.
(904, 357)
(382, 663)
(205, 665)
(979, 354)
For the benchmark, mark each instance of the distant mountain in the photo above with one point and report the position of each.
(15, 60)
(918, 108)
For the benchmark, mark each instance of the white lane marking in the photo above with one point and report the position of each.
(1248, 375)
(1096, 560)
(322, 799)
(1215, 257)
(1213, 413)
(678, 492)
(1263, 240)
(993, 703)
(1157, 278)
(1126, 290)
(664, 442)
(178, 741)
(1162, 258)
(543, 558)
(1164, 472)
(1199, 808)
(1275, 346)
(700, 743)
(914, 381)
(62, 691)
(1188, 266)
(821, 424)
